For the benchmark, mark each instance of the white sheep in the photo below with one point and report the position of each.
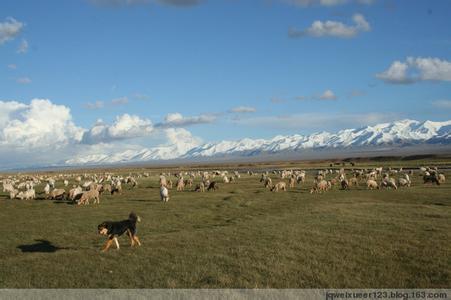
(164, 194)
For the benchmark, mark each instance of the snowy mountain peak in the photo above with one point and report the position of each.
(399, 133)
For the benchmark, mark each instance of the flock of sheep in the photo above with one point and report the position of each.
(89, 187)
(22, 186)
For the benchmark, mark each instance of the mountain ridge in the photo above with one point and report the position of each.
(399, 134)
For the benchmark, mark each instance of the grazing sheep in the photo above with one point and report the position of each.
(47, 189)
(353, 181)
(116, 189)
(164, 194)
(372, 184)
(291, 182)
(169, 184)
(180, 184)
(213, 186)
(189, 182)
(431, 179)
(107, 187)
(200, 187)
(389, 183)
(27, 195)
(163, 181)
(66, 183)
(88, 195)
(13, 194)
(268, 183)
(321, 186)
(75, 193)
(57, 194)
(404, 181)
(8, 187)
(279, 186)
(441, 178)
(344, 184)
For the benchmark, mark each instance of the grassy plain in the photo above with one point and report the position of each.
(241, 236)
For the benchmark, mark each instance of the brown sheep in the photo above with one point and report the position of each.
(86, 196)
(279, 186)
(57, 194)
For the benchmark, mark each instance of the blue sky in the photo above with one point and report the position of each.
(203, 58)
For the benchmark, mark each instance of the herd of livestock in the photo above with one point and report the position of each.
(89, 187)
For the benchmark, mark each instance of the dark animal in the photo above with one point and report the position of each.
(116, 229)
(431, 179)
(213, 186)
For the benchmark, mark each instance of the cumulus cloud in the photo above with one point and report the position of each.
(243, 109)
(333, 28)
(417, 69)
(23, 46)
(178, 120)
(181, 139)
(23, 80)
(445, 104)
(40, 124)
(125, 127)
(9, 29)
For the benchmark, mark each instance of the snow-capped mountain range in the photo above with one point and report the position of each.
(396, 134)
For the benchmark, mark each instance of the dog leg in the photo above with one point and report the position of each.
(107, 245)
(132, 242)
(137, 240)
(117, 243)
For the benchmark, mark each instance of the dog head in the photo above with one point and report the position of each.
(133, 217)
(103, 228)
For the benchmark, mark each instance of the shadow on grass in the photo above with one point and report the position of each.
(43, 246)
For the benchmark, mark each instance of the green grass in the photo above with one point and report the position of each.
(241, 236)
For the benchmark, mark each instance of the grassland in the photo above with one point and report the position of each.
(241, 236)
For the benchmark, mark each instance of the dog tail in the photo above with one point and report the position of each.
(135, 218)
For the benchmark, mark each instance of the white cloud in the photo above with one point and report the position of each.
(119, 101)
(115, 3)
(318, 121)
(10, 29)
(243, 109)
(333, 28)
(95, 105)
(181, 139)
(41, 124)
(178, 120)
(445, 104)
(12, 66)
(327, 95)
(125, 127)
(277, 100)
(118, 2)
(23, 80)
(304, 3)
(180, 2)
(140, 96)
(23, 47)
(417, 69)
